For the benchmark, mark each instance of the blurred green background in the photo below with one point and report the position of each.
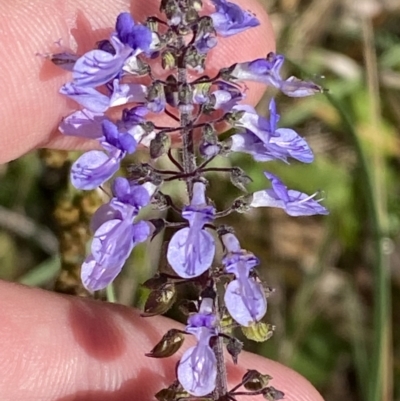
(336, 278)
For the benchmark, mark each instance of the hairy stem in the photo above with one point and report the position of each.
(185, 117)
(190, 167)
(221, 387)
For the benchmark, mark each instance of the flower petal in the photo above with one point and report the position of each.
(95, 277)
(197, 370)
(190, 253)
(89, 98)
(245, 301)
(92, 169)
(83, 123)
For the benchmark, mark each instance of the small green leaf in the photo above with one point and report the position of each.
(258, 332)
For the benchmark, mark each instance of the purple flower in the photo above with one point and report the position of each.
(132, 122)
(116, 234)
(226, 99)
(191, 249)
(197, 369)
(95, 167)
(97, 67)
(122, 141)
(229, 19)
(130, 194)
(294, 203)
(244, 297)
(137, 37)
(264, 141)
(112, 244)
(267, 71)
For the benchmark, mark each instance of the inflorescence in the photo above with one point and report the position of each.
(109, 76)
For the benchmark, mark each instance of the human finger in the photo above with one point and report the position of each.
(60, 348)
(31, 107)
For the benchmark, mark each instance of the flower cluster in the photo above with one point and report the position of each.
(113, 74)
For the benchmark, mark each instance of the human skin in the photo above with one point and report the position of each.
(62, 348)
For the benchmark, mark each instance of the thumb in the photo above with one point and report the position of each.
(31, 107)
(64, 348)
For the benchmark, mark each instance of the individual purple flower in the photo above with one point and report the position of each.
(97, 67)
(267, 71)
(197, 369)
(264, 141)
(225, 99)
(112, 244)
(136, 36)
(116, 234)
(121, 141)
(294, 203)
(133, 122)
(191, 249)
(95, 167)
(244, 297)
(128, 193)
(229, 19)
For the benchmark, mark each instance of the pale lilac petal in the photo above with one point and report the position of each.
(295, 87)
(103, 214)
(229, 19)
(294, 203)
(263, 199)
(97, 67)
(191, 252)
(197, 370)
(89, 98)
(231, 243)
(141, 231)
(245, 301)
(112, 242)
(126, 93)
(92, 169)
(95, 277)
(267, 71)
(247, 142)
(83, 123)
(287, 143)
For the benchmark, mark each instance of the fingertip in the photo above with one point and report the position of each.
(60, 347)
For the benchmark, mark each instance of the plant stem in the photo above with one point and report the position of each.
(221, 387)
(189, 168)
